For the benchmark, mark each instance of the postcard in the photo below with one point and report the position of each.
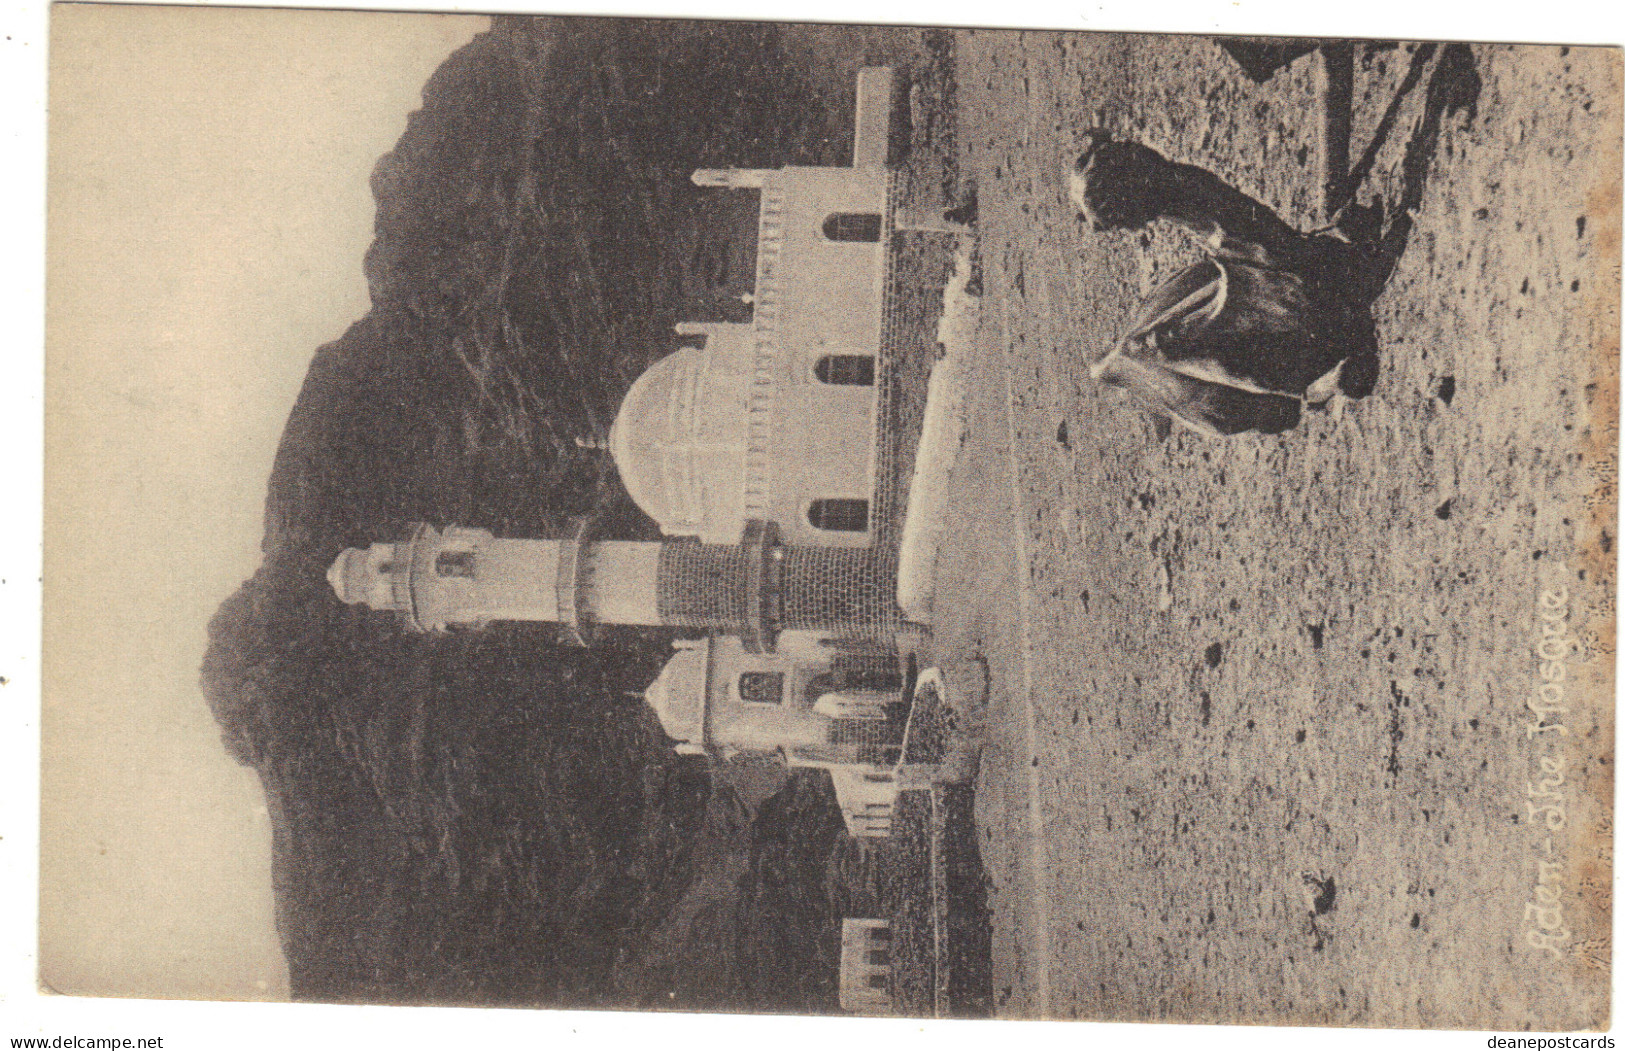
(680, 515)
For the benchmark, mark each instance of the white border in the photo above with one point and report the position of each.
(23, 1012)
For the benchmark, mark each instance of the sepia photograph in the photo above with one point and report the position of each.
(716, 517)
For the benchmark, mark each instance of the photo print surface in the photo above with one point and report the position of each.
(760, 517)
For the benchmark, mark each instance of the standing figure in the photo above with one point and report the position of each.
(1273, 319)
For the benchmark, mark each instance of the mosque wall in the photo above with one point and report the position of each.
(821, 298)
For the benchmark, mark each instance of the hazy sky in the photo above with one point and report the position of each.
(208, 214)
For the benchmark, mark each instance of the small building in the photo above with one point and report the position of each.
(866, 967)
(813, 705)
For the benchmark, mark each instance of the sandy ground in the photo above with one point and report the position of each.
(1258, 738)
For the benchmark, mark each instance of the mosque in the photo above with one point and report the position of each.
(760, 450)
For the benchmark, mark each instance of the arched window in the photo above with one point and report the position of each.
(840, 515)
(818, 685)
(852, 226)
(454, 564)
(846, 370)
(762, 687)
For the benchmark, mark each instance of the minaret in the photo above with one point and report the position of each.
(468, 578)
(753, 590)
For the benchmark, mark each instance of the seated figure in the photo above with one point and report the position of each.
(1272, 320)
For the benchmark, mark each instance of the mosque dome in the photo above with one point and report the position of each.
(679, 445)
(678, 695)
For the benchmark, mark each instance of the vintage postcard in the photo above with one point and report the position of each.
(707, 516)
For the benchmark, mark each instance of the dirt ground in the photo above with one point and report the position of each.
(1258, 741)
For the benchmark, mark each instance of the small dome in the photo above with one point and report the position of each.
(679, 445)
(350, 576)
(366, 575)
(678, 694)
